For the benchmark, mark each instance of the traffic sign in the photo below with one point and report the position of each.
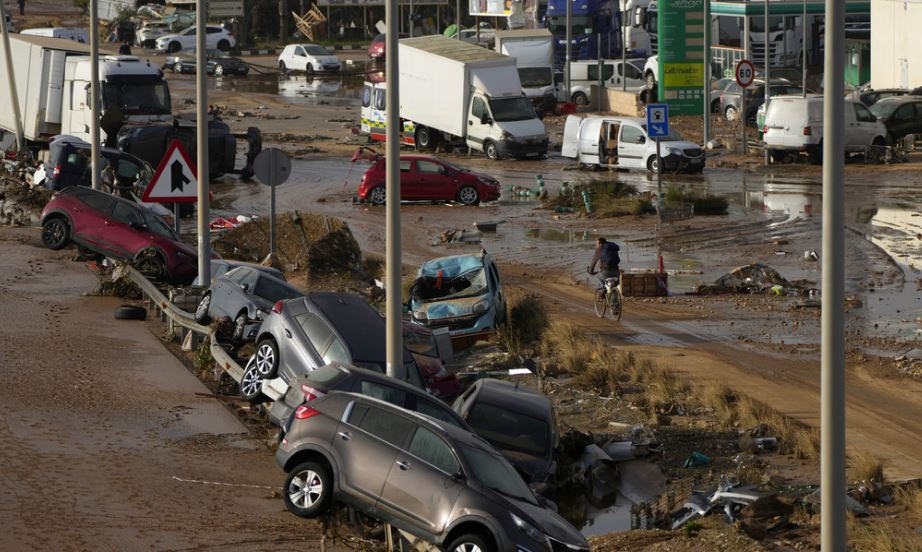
(174, 181)
(272, 166)
(657, 120)
(745, 73)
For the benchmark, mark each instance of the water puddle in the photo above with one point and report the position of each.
(562, 236)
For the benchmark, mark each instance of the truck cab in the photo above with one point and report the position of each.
(505, 127)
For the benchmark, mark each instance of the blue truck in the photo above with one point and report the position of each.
(595, 29)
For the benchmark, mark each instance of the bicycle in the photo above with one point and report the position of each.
(608, 298)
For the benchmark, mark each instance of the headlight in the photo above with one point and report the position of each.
(508, 137)
(481, 306)
(487, 181)
(420, 314)
(528, 528)
(674, 151)
(261, 315)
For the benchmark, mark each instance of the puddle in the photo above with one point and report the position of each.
(564, 236)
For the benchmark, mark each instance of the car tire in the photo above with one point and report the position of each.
(579, 98)
(201, 312)
(491, 150)
(651, 80)
(177, 67)
(425, 140)
(282, 67)
(652, 164)
(777, 156)
(377, 195)
(151, 265)
(471, 542)
(219, 70)
(308, 490)
(240, 324)
(731, 113)
(266, 358)
(55, 233)
(468, 195)
(173, 47)
(130, 312)
(223, 45)
(309, 69)
(715, 106)
(251, 383)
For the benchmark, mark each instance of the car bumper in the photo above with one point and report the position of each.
(522, 148)
(328, 68)
(463, 325)
(674, 162)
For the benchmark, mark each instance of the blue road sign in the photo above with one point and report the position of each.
(657, 120)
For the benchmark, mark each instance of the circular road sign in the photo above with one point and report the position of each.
(272, 166)
(745, 73)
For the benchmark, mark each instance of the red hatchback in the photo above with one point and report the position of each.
(120, 229)
(428, 178)
(378, 48)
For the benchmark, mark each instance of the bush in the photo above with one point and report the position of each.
(526, 322)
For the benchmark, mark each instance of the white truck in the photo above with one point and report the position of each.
(533, 50)
(459, 93)
(53, 89)
(637, 17)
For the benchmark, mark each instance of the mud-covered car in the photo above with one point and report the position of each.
(463, 293)
(217, 63)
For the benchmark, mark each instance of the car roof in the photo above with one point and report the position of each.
(900, 99)
(512, 396)
(86, 190)
(453, 265)
(351, 317)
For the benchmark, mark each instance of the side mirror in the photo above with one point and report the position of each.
(641, 140)
(246, 287)
(459, 476)
(485, 120)
(137, 225)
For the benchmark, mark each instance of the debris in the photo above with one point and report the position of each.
(463, 236)
(852, 505)
(488, 226)
(751, 278)
(768, 506)
(811, 256)
(697, 459)
(757, 440)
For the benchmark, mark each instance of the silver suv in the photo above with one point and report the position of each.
(431, 479)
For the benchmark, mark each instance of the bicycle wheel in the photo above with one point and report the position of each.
(615, 303)
(601, 303)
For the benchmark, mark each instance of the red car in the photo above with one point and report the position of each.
(377, 49)
(428, 178)
(120, 229)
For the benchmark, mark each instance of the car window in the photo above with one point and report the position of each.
(633, 72)
(316, 330)
(385, 425)
(631, 135)
(380, 98)
(430, 447)
(274, 291)
(478, 107)
(366, 96)
(214, 30)
(125, 214)
(509, 430)
(316, 50)
(249, 279)
(404, 166)
(336, 352)
(190, 32)
(862, 114)
(428, 167)
(237, 275)
(299, 51)
(495, 472)
(904, 113)
(127, 169)
(384, 392)
(156, 225)
(593, 71)
(433, 410)
(98, 202)
(413, 377)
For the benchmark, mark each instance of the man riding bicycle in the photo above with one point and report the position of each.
(606, 256)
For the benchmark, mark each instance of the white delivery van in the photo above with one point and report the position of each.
(622, 143)
(533, 50)
(795, 124)
(584, 74)
(77, 35)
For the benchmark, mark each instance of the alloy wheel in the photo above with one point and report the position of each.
(305, 489)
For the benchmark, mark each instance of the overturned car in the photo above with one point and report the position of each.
(462, 293)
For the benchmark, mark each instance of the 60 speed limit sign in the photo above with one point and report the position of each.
(745, 73)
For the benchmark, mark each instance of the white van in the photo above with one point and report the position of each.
(622, 143)
(795, 123)
(584, 74)
(77, 35)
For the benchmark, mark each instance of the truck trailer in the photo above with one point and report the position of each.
(533, 50)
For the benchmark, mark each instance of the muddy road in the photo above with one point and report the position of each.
(107, 441)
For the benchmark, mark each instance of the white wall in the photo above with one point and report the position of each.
(896, 42)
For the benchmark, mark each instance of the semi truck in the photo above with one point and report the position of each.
(636, 21)
(533, 50)
(480, 100)
(595, 29)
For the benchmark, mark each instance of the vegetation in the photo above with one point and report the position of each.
(527, 321)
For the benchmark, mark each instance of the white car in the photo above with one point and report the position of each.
(309, 58)
(584, 74)
(651, 70)
(149, 32)
(217, 37)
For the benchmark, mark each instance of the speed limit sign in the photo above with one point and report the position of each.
(745, 73)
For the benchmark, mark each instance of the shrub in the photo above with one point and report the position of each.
(526, 323)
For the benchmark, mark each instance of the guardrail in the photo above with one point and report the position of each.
(182, 323)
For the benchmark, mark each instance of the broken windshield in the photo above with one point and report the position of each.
(441, 287)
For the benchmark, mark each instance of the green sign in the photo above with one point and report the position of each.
(681, 55)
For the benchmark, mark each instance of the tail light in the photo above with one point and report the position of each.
(808, 131)
(310, 393)
(765, 129)
(277, 307)
(304, 412)
(57, 171)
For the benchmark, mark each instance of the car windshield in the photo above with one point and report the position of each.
(156, 225)
(536, 76)
(673, 135)
(144, 97)
(882, 110)
(495, 472)
(439, 288)
(512, 109)
(509, 430)
(315, 50)
(274, 291)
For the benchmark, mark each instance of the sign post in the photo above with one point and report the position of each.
(658, 127)
(745, 73)
(174, 181)
(272, 167)
(680, 28)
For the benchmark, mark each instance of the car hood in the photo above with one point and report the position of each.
(535, 467)
(167, 37)
(327, 59)
(448, 308)
(552, 524)
(680, 144)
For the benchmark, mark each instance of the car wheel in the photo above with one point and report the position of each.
(731, 113)
(580, 98)
(130, 312)
(777, 156)
(490, 149)
(174, 47)
(240, 324)
(469, 543)
(652, 164)
(282, 67)
(651, 80)
(378, 195)
(177, 67)
(715, 106)
(468, 195)
(309, 69)
(55, 233)
(151, 265)
(643, 110)
(201, 312)
(424, 138)
(251, 383)
(267, 358)
(223, 45)
(218, 70)
(308, 490)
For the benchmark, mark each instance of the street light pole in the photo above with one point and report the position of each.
(392, 265)
(201, 143)
(566, 69)
(94, 93)
(11, 80)
(707, 73)
(768, 66)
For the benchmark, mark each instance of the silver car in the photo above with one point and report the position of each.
(246, 295)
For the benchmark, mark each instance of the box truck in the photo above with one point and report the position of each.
(533, 50)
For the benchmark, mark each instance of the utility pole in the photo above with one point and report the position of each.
(94, 93)
(803, 48)
(11, 80)
(392, 265)
(283, 20)
(412, 23)
(707, 74)
(201, 143)
(833, 535)
(624, 28)
(566, 69)
(458, 17)
(768, 80)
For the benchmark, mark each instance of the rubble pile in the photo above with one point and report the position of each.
(20, 203)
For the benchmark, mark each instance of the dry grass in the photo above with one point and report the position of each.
(909, 497)
(876, 535)
(527, 321)
(866, 467)
(665, 387)
(795, 438)
(571, 346)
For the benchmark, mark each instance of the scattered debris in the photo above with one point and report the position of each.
(751, 278)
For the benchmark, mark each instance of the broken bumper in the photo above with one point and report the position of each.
(522, 148)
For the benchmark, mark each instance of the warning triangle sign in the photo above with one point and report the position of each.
(174, 181)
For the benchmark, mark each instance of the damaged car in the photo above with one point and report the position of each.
(463, 293)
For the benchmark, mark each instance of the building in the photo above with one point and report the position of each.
(896, 44)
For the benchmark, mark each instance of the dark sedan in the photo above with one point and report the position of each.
(871, 97)
(217, 63)
(902, 116)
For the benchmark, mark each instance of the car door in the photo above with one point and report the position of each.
(632, 146)
(589, 135)
(187, 38)
(860, 126)
(478, 123)
(499, 298)
(409, 183)
(125, 234)
(423, 483)
(433, 181)
(300, 59)
(88, 216)
(902, 122)
(365, 447)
